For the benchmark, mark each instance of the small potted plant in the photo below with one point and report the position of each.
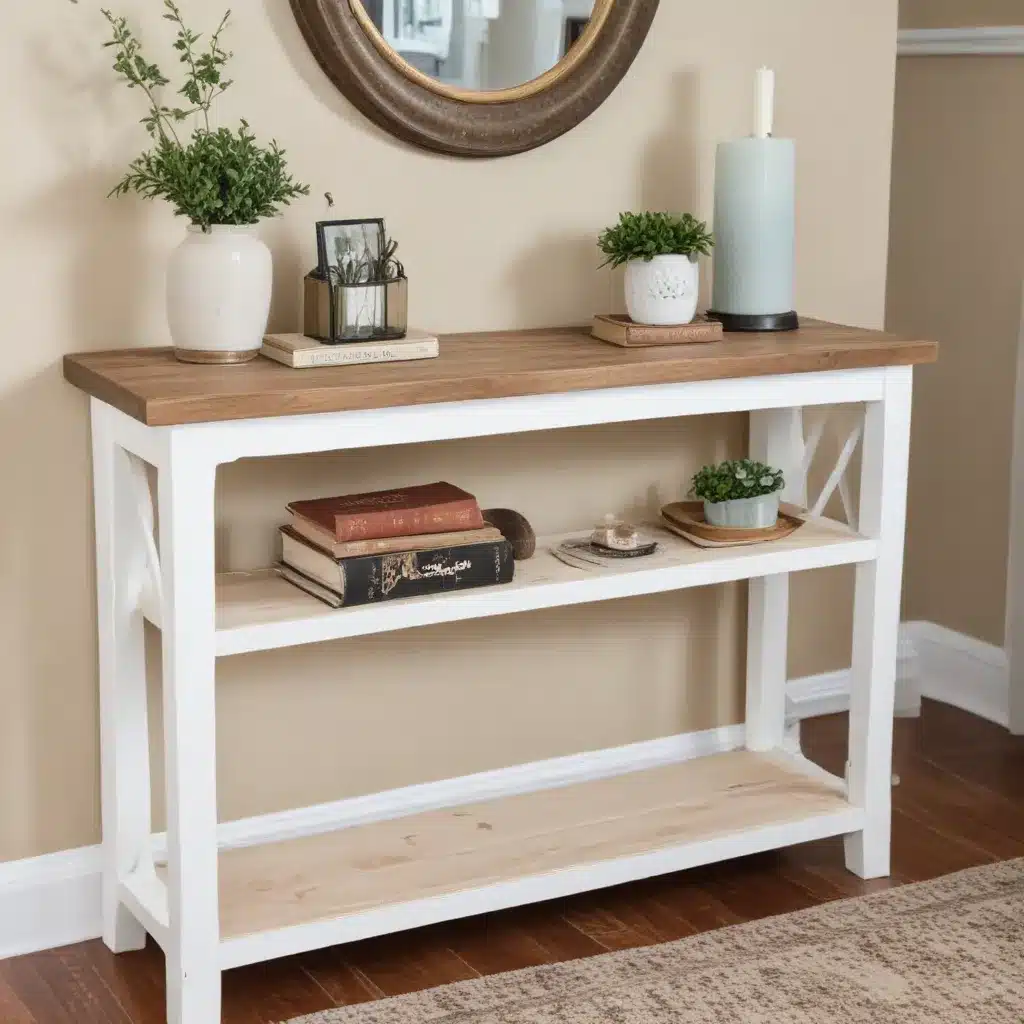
(660, 252)
(219, 279)
(740, 493)
(369, 297)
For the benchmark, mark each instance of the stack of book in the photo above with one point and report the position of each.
(303, 353)
(361, 548)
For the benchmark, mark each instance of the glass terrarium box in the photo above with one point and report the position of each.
(358, 291)
(337, 312)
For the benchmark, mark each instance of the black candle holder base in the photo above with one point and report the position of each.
(756, 321)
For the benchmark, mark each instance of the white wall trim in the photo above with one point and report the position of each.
(55, 900)
(1014, 626)
(829, 692)
(933, 662)
(960, 670)
(49, 901)
(1001, 40)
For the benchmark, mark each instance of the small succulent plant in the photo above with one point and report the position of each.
(738, 478)
(642, 236)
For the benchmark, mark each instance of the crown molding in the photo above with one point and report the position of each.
(1000, 40)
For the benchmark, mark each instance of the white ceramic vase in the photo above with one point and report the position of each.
(218, 294)
(662, 292)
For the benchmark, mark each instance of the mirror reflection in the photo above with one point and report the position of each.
(481, 45)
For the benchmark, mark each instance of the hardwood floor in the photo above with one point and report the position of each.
(960, 803)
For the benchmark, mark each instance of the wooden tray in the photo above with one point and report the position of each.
(618, 329)
(686, 518)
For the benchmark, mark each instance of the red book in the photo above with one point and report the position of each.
(429, 508)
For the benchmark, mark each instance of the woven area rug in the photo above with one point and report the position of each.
(944, 952)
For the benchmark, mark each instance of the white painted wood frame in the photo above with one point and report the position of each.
(1014, 630)
(774, 434)
(876, 616)
(175, 584)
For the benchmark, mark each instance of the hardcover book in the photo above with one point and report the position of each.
(374, 578)
(310, 533)
(620, 330)
(300, 352)
(408, 511)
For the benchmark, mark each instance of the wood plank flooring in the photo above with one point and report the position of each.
(960, 803)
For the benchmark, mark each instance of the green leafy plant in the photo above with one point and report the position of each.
(217, 176)
(386, 267)
(642, 236)
(740, 478)
(370, 269)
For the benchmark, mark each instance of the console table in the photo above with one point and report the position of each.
(215, 909)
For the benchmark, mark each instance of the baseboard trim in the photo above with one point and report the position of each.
(960, 670)
(933, 662)
(49, 901)
(829, 692)
(55, 900)
(999, 40)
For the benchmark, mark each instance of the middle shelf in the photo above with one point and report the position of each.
(260, 611)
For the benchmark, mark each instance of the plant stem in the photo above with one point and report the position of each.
(214, 43)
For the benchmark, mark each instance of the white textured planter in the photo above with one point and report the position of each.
(663, 292)
(744, 513)
(218, 294)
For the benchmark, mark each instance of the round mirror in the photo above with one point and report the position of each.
(476, 77)
(483, 51)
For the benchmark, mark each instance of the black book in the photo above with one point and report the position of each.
(346, 582)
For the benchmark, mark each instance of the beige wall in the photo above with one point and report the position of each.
(956, 264)
(492, 244)
(959, 13)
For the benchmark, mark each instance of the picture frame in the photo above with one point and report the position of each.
(440, 116)
(344, 243)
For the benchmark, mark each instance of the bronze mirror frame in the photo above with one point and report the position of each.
(418, 110)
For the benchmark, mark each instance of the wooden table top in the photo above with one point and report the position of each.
(153, 387)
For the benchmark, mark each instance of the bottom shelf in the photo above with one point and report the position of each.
(406, 872)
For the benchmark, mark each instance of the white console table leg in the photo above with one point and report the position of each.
(876, 617)
(773, 440)
(186, 492)
(124, 732)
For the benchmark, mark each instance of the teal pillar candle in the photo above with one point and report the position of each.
(755, 227)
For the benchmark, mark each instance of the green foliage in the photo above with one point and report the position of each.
(740, 478)
(219, 176)
(386, 267)
(642, 236)
(369, 270)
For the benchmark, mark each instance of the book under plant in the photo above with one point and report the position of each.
(301, 352)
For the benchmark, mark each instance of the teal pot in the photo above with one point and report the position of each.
(744, 513)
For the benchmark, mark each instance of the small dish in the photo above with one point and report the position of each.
(686, 518)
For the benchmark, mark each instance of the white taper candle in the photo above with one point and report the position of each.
(764, 103)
